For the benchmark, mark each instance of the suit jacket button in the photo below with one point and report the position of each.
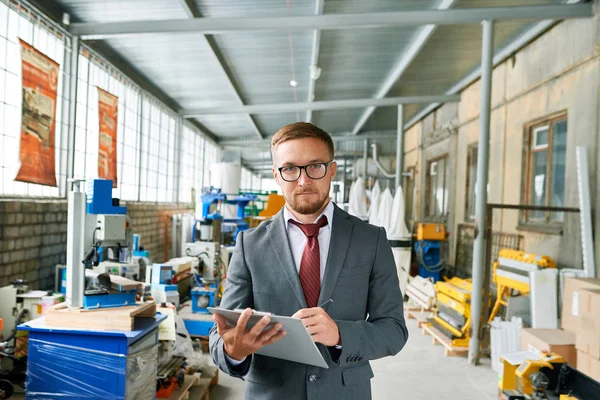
(312, 378)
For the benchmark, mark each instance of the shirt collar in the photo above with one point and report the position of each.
(328, 212)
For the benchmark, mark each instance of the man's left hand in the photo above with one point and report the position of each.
(320, 325)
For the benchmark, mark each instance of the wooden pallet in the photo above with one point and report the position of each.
(446, 342)
(112, 319)
(419, 313)
(189, 382)
(207, 382)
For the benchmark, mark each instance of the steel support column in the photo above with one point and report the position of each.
(73, 68)
(483, 152)
(399, 146)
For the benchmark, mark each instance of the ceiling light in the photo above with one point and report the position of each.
(293, 83)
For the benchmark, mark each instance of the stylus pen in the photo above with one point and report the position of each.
(326, 303)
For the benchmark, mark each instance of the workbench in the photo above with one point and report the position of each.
(84, 364)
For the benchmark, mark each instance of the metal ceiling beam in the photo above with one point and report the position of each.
(256, 163)
(314, 60)
(499, 57)
(189, 8)
(336, 138)
(331, 21)
(192, 12)
(401, 66)
(316, 105)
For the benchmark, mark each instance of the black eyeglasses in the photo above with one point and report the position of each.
(291, 173)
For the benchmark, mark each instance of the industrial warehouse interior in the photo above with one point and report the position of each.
(300, 199)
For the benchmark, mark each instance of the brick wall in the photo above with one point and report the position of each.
(151, 222)
(33, 236)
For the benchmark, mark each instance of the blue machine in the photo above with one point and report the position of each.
(80, 364)
(99, 201)
(202, 298)
(429, 260)
(99, 198)
(200, 322)
(120, 299)
(215, 196)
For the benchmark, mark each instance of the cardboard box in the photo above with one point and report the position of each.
(571, 303)
(588, 365)
(552, 340)
(588, 336)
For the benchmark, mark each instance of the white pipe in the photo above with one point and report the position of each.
(379, 167)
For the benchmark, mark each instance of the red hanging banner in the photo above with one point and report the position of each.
(38, 119)
(108, 106)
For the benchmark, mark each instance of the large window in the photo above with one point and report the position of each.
(410, 192)
(437, 187)
(157, 159)
(545, 172)
(471, 182)
(16, 22)
(192, 163)
(157, 181)
(94, 73)
(250, 181)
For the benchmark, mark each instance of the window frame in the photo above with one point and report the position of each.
(428, 206)
(472, 154)
(530, 148)
(410, 176)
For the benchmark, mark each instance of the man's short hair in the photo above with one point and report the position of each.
(301, 130)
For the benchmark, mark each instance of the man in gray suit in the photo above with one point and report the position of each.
(308, 253)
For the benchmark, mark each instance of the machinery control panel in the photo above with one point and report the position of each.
(111, 228)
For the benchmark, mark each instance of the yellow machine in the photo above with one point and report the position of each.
(275, 202)
(525, 377)
(452, 314)
(543, 376)
(431, 231)
(511, 272)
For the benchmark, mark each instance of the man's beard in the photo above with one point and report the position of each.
(305, 207)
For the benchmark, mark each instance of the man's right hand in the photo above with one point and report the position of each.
(239, 342)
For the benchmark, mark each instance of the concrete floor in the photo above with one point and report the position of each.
(419, 372)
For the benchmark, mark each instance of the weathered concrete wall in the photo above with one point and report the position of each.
(559, 72)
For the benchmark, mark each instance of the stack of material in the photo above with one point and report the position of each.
(555, 341)
(504, 339)
(581, 316)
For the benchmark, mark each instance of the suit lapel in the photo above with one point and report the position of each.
(281, 247)
(341, 232)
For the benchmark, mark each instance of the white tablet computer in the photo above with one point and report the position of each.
(296, 345)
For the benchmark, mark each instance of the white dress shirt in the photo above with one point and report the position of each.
(298, 238)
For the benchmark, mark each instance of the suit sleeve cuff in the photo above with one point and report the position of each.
(239, 370)
(349, 353)
(232, 362)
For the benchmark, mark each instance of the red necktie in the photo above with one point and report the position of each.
(310, 266)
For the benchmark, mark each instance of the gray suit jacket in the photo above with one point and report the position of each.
(360, 277)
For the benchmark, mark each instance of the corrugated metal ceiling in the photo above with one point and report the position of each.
(260, 65)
